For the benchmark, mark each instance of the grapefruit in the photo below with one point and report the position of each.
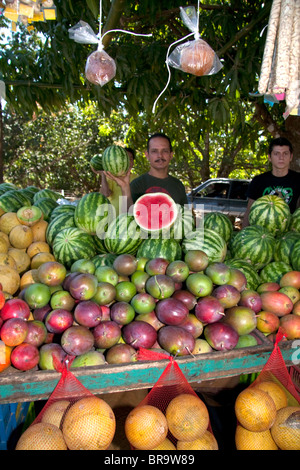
(206, 442)
(187, 417)
(286, 428)
(275, 391)
(249, 440)
(41, 436)
(89, 424)
(255, 409)
(146, 427)
(53, 413)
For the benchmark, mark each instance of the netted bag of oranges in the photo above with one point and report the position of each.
(72, 418)
(268, 411)
(171, 416)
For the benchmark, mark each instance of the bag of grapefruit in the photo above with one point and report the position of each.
(171, 416)
(72, 418)
(268, 411)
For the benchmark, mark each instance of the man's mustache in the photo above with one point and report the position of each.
(160, 160)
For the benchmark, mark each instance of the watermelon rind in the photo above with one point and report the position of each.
(295, 221)
(123, 235)
(115, 160)
(284, 246)
(57, 224)
(220, 223)
(72, 244)
(208, 241)
(96, 162)
(92, 209)
(62, 209)
(155, 212)
(274, 271)
(254, 244)
(295, 256)
(160, 248)
(49, 193)
(270, 212)
(46, 204)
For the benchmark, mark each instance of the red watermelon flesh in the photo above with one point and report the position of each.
(155, 211)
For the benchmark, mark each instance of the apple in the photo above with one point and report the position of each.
(291, 278)
(37, 333)
(156, 266)
(58, 320)
(267, 322)
(14, 331)
(25, 356)
(290, 325)
(209, 309)
(106, 334)
(77, 340)
(88, 313)
(251, 298)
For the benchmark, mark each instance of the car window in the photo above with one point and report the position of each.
(214, 190)
(238, 190)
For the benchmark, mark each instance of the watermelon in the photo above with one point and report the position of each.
(284, 246)
(154, 212)
(46, 204)
(62, 209)
(295, 256)
(28, 193)
(10, 202)
(183, 224)
(274, 271)
(71, 244)
(160, 248)
(295, 221)
(254, 244)
(272, 213)
(24, 198)
(7, 186)
(252, 276)
(208, 241)
(57, 224)
(220, 223)
(29, 215)
(105, 259)
(92, 209)
(96, 162)
(115, 159)
(46, 193)
(123, 235)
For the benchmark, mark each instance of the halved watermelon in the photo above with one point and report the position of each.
(155, 211)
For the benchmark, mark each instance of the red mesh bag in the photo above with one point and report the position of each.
(171, 416)
(72, 418)
(268, 411)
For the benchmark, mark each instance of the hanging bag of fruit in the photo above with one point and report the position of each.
(268, 411)
(171, 416)
(72, 418)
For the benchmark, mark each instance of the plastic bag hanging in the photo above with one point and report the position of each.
(196, 56)
(100, 68)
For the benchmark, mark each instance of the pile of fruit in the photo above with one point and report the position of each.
(77, 284)
(266, 421)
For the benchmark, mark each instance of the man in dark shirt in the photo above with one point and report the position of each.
(159, 154)
(280, 181)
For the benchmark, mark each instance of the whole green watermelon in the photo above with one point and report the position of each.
(91, 210)
(272, 213)
(115, 159)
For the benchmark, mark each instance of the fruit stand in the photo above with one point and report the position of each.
(38, 385)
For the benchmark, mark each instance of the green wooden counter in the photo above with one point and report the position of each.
(16, 386)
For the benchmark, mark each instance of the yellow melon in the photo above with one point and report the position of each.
(54, 413)
(206, 442)
(39, 231)
(20, 236)
(41, 436)
(3, 245)
(5, 237)
(38, 247)
(41, 258)
(286, 429)
(250, 440)
(89, 424)
(275, 391)
(7, 260)
(255, 409)
(8, 221)
(146, 427)
(29, 277)
(165, 445)
(9, 279)
(21, 258)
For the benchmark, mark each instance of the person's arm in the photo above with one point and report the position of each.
(124, 183)
(246, 215)
(104, 189)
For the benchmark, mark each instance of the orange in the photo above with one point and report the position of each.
(187, 417)
(206, 442)
(89, 424)
(275, 391)
(255, 409)
(146, 427)
(250, 440)
(5, 353)
(41, 436)
(286, 430)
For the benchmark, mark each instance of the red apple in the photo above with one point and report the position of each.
(192, 325)
(121, 353)
(251, 298)
(171, 311)
(37, 333)
(267, 322)
(290, 325)
(58, 320)
(106, 334)
(77, 340)
(88, 313)
(227, 295)
(209, 309)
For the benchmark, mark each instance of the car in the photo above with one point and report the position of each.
(224, 195)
